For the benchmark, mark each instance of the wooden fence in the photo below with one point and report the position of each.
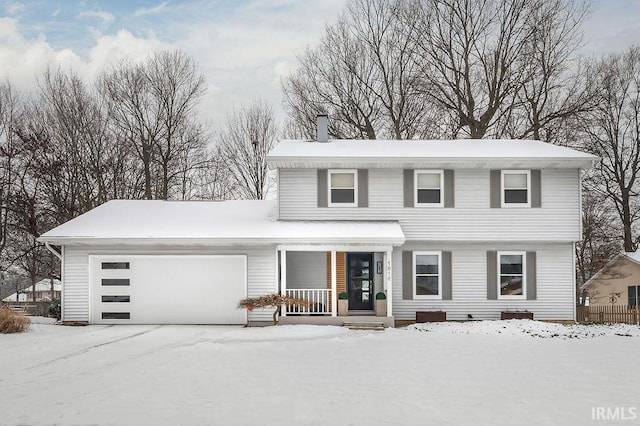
(608, 314)
(30, 308)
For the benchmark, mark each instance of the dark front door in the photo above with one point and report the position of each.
(360, 281)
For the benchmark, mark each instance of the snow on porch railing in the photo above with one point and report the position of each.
(320, 299)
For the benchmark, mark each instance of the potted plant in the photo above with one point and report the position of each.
(343, 304)
(381, 304)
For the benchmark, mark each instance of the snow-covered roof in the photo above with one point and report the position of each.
(212, 223)
(42, 285)
(633, 255)
(460, 153)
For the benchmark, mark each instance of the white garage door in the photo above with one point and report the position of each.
(168, 289)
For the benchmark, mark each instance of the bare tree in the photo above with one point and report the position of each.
(75, 146)
(433, 68)
(152, 106)
(330, 80)
(470, 52)
(250, 133)
(600, 238)
(30, 213)
(215, 181)
(554, 89)
(362, 73)
(134, 114)
(10, 106)
(612, 132)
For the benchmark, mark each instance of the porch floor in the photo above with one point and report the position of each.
(339, 321)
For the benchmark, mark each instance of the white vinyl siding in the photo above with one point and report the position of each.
(261, 274)
(472, 218)
(554, 280)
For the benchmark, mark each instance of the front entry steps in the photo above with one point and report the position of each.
(360, 325)
(359, 321)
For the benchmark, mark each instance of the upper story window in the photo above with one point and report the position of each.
(429, 186)
(427, 275)
(343, 187)
(516, 188)
(511, 275)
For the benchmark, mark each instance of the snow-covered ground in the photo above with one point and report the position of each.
(476, 373)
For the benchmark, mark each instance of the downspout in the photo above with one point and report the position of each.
(58, 254)
(53, 251)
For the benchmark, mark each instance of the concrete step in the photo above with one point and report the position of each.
(360, 325)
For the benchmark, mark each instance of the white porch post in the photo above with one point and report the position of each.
(283, 279)
(334, 285)
(388, 255)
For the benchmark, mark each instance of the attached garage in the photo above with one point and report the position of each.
(162, 289)
(185, 262)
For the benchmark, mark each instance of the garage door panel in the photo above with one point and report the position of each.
(171, 289)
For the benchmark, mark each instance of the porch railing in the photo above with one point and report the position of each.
(319, 298)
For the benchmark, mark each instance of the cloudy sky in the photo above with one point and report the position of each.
(243, 47)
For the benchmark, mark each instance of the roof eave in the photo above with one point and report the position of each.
(220, 242)
(586, 162)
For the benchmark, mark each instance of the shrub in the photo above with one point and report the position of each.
(380, 296)
(12, 322)
(343, 296)
(55, 310)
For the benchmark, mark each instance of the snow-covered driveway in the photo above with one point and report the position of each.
(481, 373)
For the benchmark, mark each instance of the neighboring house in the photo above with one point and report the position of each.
(617, 283)
(469, 227)
(43, 292)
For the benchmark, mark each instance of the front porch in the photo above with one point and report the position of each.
(320, 274)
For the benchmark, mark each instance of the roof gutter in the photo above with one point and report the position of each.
(53, 251)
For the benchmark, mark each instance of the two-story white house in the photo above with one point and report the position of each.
(471, 228)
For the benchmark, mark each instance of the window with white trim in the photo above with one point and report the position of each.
(511, 275)
(427, 275)
(343, 187)
(429, 186)
(516, 188)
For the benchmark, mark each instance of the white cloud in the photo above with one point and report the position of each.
(111, 49)
(246, 55)
(104, 17)
(25, 60)
(243, 54)
(14, 8)
(151, 10)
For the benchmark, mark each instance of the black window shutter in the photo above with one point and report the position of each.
(536, 192)
(531, 275)
(492, 275)
(446, 276)
(407, 275)
(363, 188)
(495, 189)
(449, 188)
(409, 195)
(322, 187)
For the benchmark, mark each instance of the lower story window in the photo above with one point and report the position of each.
(427, 275)
(634, 295)
(511, 278)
